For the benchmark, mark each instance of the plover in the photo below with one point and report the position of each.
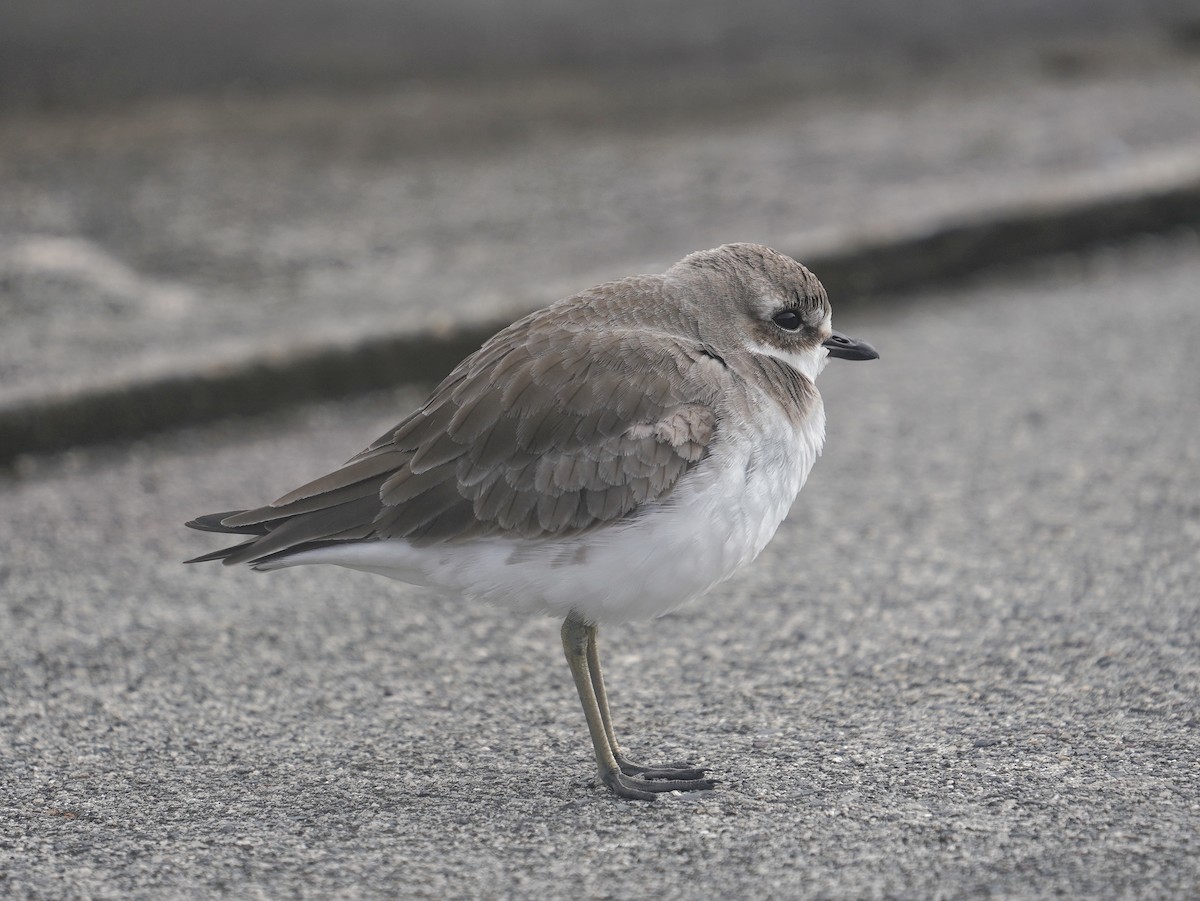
(607, 458)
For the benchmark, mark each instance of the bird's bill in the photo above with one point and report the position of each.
(847, 348)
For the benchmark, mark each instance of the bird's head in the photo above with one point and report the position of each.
(768, 304)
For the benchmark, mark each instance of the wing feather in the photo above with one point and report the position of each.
(551, 429)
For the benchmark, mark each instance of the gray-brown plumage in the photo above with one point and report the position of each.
(590, 414)
(571, 418)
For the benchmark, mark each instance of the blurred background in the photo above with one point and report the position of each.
(74, 52)
(189, 185)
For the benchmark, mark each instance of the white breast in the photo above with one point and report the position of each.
(719, 518)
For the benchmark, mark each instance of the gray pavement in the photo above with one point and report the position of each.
(164, 238)
(967, 666)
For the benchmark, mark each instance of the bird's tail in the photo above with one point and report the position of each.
(211, 522)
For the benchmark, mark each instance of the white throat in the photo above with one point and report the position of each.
(809, 364)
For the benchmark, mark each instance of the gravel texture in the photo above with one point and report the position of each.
(968, 665)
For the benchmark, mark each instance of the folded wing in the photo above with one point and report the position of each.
(548, 431)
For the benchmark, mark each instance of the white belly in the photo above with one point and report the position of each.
(719, 518)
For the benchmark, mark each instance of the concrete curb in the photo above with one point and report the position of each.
(1077, 215)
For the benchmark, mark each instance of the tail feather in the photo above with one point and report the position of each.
(212, 522)
(295, 533)
(222, 554)
(273, 541)
(341, 507)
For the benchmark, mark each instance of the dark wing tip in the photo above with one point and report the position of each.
(212, 522)
(223, 554)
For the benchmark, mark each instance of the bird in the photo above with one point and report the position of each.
(604, 459)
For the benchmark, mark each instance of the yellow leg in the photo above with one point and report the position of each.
(579, 646)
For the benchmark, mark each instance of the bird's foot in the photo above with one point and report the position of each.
(641, 788)
(683, 770)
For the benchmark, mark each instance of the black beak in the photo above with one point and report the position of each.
(850, 348)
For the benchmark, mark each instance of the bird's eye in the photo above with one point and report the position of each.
(788, 320)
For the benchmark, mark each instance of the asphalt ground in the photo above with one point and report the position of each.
(967, 666)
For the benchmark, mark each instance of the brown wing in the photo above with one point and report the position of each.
(544, 432)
